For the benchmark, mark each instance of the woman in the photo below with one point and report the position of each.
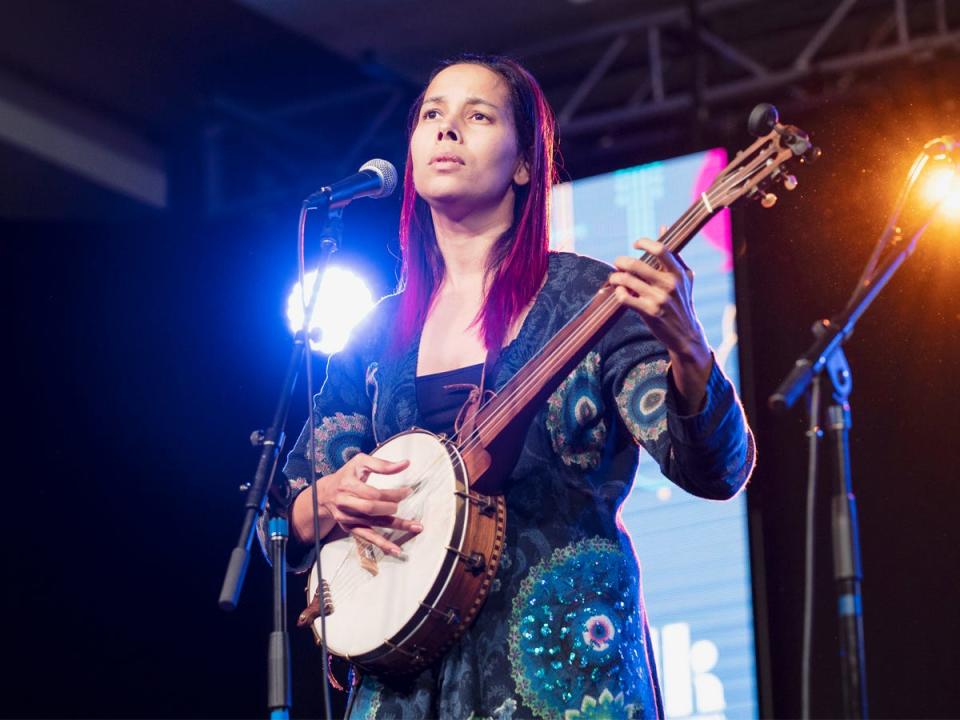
(562, 633)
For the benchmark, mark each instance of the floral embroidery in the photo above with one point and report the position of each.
(642, 400)
(338, 438)
(599, 633)
(367, 704)
(606, 707)
(575, 416)
(575, 628)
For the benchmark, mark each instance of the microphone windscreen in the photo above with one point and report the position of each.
(386, 171)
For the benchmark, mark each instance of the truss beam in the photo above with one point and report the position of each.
(813, 58)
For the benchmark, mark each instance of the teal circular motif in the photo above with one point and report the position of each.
(339, 438)
(575, 416)
(642, 400)
(575, 630)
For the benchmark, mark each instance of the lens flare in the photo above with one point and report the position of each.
(342, 301)
(942, 188)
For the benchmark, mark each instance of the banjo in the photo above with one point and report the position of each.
(394, 615)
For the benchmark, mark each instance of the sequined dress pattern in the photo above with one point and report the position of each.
(563, 633)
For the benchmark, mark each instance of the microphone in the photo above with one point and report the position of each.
(375, 179)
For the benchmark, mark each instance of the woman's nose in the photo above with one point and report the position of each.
(449, 133)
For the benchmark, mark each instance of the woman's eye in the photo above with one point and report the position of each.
(430, 114)
(479, 116)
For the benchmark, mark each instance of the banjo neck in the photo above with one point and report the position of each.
(501, 422)
(544, 371)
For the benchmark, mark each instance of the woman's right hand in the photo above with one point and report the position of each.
(344, 499)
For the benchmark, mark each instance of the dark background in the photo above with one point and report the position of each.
(145, 344)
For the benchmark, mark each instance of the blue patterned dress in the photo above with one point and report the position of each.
(563, 633)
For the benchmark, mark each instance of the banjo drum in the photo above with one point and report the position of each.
(399, 614)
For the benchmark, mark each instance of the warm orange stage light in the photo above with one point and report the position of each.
(942, 187)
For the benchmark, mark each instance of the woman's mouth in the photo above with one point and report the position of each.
(446, 160)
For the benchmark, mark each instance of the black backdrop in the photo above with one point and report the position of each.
(139, 357)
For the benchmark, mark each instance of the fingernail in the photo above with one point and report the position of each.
(416, 527)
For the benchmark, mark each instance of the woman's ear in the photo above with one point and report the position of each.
(522, 174)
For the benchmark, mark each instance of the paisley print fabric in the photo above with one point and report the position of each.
(576, 626)
(562, 633)
(338, 438)
(642, 400)
(575, 416)
(606, 707)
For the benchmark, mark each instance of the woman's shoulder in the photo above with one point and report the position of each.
(571, 273)
(376, 325)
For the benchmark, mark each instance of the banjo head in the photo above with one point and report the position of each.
(376, 597)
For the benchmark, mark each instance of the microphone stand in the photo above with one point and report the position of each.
(826, 353)
(271, 443)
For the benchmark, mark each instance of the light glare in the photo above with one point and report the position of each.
(342, 302)
(942, 188)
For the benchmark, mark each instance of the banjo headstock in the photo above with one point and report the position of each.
(755, 171)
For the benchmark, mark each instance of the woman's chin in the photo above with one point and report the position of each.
(459, 200)
(446, 198)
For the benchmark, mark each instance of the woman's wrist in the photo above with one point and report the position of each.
(301, 514)
(691, 371)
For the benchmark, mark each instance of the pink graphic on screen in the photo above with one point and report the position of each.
(717, 231)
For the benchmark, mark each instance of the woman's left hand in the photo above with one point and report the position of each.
(664, 298)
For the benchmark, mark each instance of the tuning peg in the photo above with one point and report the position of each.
(763, 118)
(790, 182)
(768, 200)
(811, 155)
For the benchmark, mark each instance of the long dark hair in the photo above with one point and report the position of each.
(518, 260)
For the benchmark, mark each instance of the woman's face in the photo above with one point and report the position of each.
(464, 146)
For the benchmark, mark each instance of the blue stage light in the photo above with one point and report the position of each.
(342, 302)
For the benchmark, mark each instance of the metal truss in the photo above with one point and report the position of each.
(631, 82)
(286, 149)
(701, 55)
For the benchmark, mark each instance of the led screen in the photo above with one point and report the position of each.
(694, 552)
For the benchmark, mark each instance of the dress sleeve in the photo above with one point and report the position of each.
(342, 413)
(710, 454)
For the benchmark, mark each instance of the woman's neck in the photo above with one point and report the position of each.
(466, 241)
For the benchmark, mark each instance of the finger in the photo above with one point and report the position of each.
(650, 274)
(395, 523)
(378, 465)
(659, 250)
(640, 288)
(375, 538)
(354, 505)
(647, 307)
(368, 492)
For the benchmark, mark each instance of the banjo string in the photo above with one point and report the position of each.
(689, 220)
